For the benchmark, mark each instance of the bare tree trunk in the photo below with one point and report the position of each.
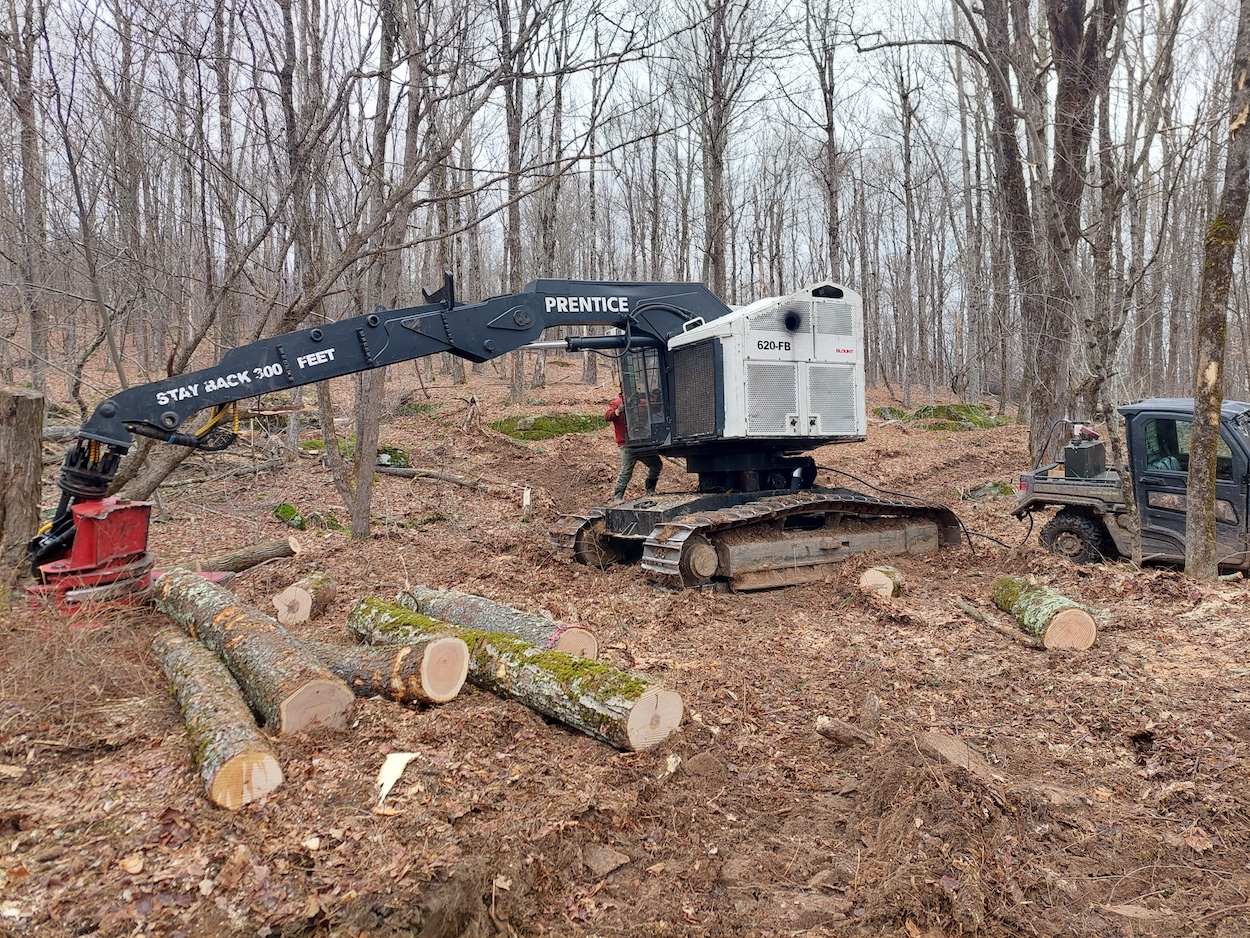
(1219, 250)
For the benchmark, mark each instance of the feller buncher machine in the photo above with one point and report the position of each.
(743, 395)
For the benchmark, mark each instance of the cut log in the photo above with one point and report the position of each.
(234, 759)
(422, 671)
(284, 683)
(244, 558)
(622, 709)
(305, 599)
(886, 582)
(1051, 618)
(21, 423)
(486, 615)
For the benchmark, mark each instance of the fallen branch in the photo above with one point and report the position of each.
(234, 759)
(863, 732)
(990, 622)
(266, 466)
(622, 709)
(283, 682)
(476, 485)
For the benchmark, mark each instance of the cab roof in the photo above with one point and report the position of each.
(1181, 405)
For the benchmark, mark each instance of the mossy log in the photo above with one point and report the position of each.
(305, 599)
(234, 759)
(284, 683)
(236, 561)
(886, 582)
(423, 671)
(1051, 618)
(622, 709)
(487, 615)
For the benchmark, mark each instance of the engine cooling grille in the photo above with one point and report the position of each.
(694, 406)
(772, 396)
(831, 397)
(834, 319)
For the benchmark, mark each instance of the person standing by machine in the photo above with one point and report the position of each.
(629, 456)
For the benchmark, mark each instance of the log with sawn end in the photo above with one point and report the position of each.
(1054, 620)
(305, 599)
(427, 670)
(622, 709)
(232, 756)
(236, 561)
(478, 612)
(885, 582)
(285, 684)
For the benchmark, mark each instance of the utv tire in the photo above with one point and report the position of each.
(1077, 536)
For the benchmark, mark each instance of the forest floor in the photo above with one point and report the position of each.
(1117, 801)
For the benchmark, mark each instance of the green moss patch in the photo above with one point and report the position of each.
(547, 427)
(291, 515)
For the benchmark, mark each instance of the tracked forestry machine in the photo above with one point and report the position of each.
(742, 395)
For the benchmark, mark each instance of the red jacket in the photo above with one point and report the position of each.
(616, 416)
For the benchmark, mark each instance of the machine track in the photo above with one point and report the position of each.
(687, 551)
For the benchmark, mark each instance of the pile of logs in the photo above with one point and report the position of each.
(231, 661)
(235, 660)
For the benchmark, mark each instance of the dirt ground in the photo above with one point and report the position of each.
(1116, 802)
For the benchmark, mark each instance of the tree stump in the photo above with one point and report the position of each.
(619, 708)
(282, 681)
(21, 428)
(478, 612)
(1054, 620)
(885, 582)
(236, 561)
(234, 759)
(422, 671)
(305, 599)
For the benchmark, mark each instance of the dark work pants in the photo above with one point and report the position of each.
(629, 459)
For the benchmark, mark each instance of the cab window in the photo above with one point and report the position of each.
(1167, 439)
(642, 386)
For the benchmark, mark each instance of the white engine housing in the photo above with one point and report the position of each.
(793, 366)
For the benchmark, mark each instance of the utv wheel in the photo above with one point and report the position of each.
(1077, 536)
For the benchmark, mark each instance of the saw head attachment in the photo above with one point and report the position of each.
(109, 559)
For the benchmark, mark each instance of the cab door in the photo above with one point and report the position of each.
(1161, 443)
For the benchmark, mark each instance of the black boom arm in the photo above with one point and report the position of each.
(647, 314)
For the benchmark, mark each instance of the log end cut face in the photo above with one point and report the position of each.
(655, 715)
(324, 704)
(578, 641)
(444, 668)
(1071, 629)
(245, 778)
